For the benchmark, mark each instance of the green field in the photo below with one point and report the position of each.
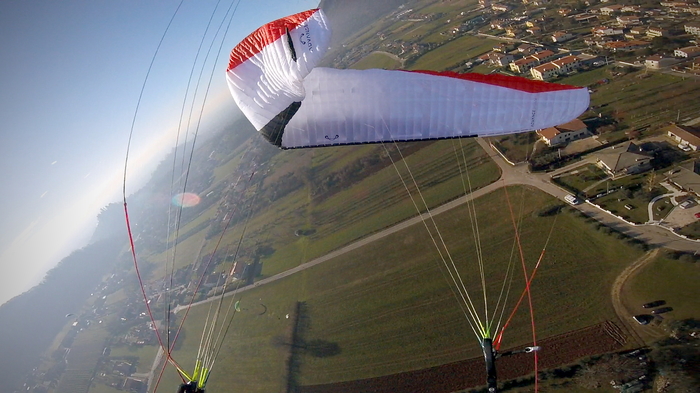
(363, 207)
(377, 60)
(389, 308)
(674, 281)
(453, 52)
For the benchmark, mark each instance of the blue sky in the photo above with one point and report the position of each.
(69, 84)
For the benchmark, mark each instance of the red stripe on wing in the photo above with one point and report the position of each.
(266, 35)
(511, 82)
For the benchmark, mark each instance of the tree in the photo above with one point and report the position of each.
(613, 367)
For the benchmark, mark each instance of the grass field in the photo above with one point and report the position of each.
(453, 52)
(376, 201)
(389, 308)
(674, 281)
(377, 60)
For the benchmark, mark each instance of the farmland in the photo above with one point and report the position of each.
(561, 349)
(376, 302)
(342, 211)
(82, 359)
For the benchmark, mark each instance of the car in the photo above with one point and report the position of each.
(571, 199)
(643, 319)
(697, 215)
(662, 310)
(688, 203)
(655, 303)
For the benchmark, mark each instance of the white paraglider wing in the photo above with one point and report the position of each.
(295, 105)
(266, 70)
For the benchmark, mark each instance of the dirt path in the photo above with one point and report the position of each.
(622, 312)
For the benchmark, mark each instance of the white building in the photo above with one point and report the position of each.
(564, 133)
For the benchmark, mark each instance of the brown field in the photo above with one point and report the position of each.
(556, 351)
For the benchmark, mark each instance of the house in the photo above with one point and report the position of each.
(658, 61)
(500, 7)
(564, 133)
(561, 36)
(597, 41)
(674, 4)
(626, 46)
(692, 28)
(534, 30)
(500, 59)
(611, 9)
(567, 64)
(544, 71)
(638, 30)
(602, 31)
(624, 159)
(528, 49)
(587, 18)
(545, 55)
(687, 52)
(627, 20)
(523, 65)
(631, 8)
(657, 32)
(685, 135)
(686, 177)
(503, 47)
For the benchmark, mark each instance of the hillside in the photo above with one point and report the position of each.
(29, 322)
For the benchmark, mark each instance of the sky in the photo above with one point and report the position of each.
(70, 80)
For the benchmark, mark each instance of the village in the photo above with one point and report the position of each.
(643, 178)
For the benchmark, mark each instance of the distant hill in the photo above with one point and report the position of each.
(347, 17)
(30, 321)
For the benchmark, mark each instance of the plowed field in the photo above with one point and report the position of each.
(556, 351)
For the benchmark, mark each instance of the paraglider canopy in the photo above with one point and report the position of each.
(273, 78)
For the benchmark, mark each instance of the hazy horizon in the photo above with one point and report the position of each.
(69, 98)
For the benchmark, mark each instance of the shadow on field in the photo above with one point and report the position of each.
(299, 346)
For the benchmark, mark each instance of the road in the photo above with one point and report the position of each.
(653, 235)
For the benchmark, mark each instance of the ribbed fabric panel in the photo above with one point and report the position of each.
(263, 78)
(352, 106)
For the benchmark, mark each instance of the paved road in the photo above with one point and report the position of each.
(653, 235)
